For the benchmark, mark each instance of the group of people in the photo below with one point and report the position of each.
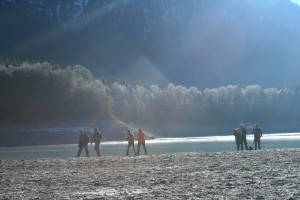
(141, 142)
(239, 133)
(84, 140)
(241, 137)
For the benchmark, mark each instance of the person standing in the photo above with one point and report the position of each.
(257, 132)
(97, 138)
(238, 139)
(130, 139)
(242, 130)
(83, 143)
(141, 141)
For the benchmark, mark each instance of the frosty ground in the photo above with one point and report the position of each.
(266, 174)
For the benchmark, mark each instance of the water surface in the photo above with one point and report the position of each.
(154, 147)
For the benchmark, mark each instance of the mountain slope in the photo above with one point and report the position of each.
(213, 42)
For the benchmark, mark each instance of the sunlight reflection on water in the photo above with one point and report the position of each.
(156, 146)
(275, 136)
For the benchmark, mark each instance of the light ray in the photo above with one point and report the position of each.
(297, 2)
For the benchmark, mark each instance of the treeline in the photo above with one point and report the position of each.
(33, 91)
(178, 105)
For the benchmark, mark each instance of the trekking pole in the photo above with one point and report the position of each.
(104, 138)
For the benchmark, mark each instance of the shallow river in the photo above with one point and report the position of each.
(156, 146)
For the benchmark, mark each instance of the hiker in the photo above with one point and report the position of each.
(238, 139)
(257, 132)
(242, 130)
(141, 141)
(83, 143)
(130, 139)
(97, 138)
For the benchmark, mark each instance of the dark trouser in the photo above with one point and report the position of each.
(138, 147)
(238, 147)
(257, 142)
(97, 149)
(238, 142)
(244, 140)
(128, 146)
(86, 151)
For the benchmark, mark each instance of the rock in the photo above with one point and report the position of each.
(225, 175)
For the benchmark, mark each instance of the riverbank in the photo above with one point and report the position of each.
(266, 174)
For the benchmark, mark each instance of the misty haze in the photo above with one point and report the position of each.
(176, 68)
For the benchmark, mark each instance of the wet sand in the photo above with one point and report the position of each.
(266, 174)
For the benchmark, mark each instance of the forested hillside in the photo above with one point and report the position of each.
(42, 93)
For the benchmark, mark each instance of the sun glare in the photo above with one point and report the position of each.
(297, 2)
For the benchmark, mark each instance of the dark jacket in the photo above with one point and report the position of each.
(238, 137)
(83, 140)
(257, 132)
(130, 138)
(97, 137)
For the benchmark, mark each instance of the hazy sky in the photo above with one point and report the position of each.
(188, 42)
(296, 2)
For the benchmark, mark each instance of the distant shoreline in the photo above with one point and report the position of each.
(265, 174)
(26, 136)
(155, 147)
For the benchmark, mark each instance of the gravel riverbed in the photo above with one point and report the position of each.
(265, 174)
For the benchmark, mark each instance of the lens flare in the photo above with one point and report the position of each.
(297, 2)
